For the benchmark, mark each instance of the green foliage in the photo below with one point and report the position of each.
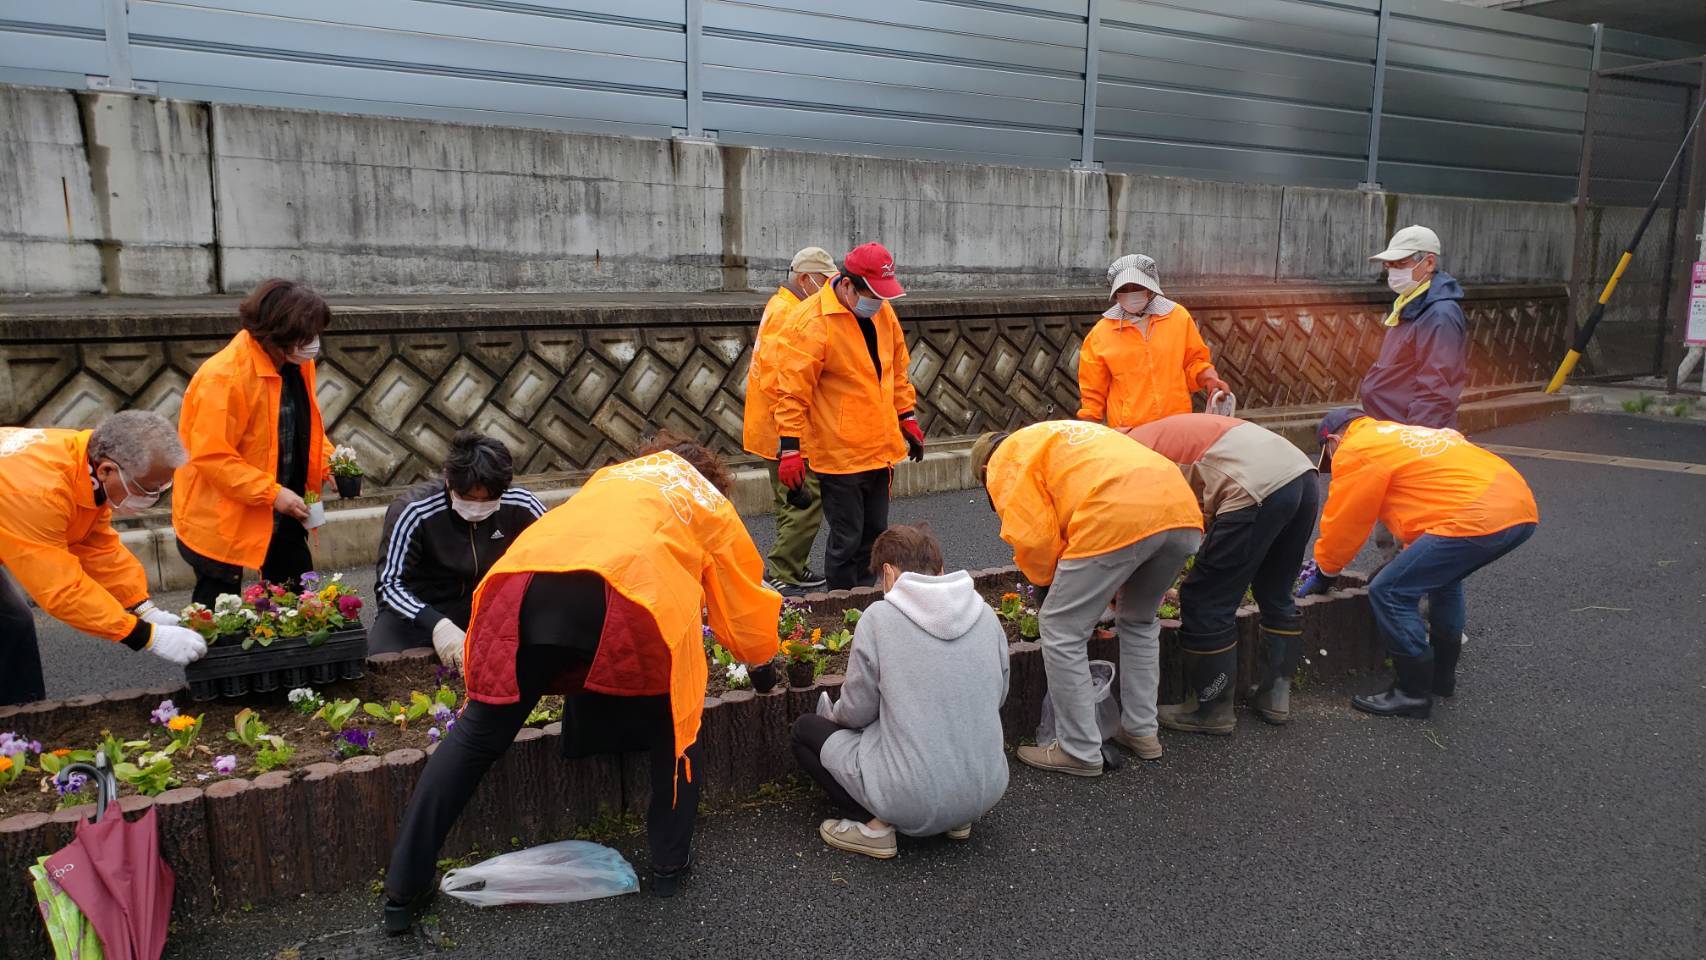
(118, 750)
(851, 618)
(337, 713)
(608, 827)
(837, 641)
(418, 706)
(275, 753)
(1681, 409)
(247, 729)
(1642, 405)
(152, 777)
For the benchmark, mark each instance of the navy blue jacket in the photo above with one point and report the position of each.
(1424, 360)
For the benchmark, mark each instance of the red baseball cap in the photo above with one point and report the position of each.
(872, 263)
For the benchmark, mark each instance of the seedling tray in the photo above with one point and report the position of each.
(289, 662)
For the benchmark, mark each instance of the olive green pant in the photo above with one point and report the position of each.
(796, 528)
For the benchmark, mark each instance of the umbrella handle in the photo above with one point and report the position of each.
(106, 787)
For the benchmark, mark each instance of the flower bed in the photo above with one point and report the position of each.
(322, 821)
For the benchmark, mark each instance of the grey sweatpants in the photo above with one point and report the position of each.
(1134, 578)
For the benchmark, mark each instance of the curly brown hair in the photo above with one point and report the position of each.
(703, 459)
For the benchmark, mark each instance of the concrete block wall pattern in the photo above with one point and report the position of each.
(570, 388)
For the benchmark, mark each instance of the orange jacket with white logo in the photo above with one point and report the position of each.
(1066, 489)
(1127, 378)
(758, 435)
(828, 393)
(1416, 480)
(60, 546)
(222, 499)
(665, 539)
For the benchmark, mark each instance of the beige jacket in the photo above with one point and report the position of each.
(1232, 464)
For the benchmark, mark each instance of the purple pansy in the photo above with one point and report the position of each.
(71, 784)
(225, 765)
(163, 714)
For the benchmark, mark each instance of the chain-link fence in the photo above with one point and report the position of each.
(1637, 116)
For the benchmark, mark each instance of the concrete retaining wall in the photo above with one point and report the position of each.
(175, 197)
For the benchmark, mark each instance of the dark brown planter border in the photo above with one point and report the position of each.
(325, 827)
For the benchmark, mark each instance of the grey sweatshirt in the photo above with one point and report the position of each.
(922, 702)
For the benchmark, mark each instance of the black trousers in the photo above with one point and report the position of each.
(855, 509)
(561, 618)
(287, 559)
(393, 633)
(810, 733)
(20, 659)
(1259, 549)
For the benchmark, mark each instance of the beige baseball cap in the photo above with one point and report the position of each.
(1408, 242)
(813, 260)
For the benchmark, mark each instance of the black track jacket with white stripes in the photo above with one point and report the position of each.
(430, 559)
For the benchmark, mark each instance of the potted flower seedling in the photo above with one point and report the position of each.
(805, 659)
(273, 636)
(316, 510)
(346, 472)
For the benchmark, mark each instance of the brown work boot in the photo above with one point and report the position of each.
(1215, 716)
(855, 837)
(1146, 748)
(1053, 758)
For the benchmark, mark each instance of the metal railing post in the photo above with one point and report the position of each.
(1371, 179)
(119, 78)
(695, 20)
(1092, 76)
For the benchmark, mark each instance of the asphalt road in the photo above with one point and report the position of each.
(1551, 810)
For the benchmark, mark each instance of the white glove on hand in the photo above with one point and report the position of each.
(447, 640)
(153, 614)
(179, 645)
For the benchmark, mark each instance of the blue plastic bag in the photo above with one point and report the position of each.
(563, 872)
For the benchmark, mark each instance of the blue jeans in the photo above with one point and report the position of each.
(1434, 567)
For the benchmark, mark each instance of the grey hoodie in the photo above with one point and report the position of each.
(922, 701)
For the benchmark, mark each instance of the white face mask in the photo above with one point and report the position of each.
(1400, 280)
(305, 353)
(1134, 302)
(473, 511)
(134, 503)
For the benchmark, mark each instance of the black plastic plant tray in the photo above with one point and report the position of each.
(230, 671)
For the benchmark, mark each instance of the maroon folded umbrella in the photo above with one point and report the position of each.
(112, 870)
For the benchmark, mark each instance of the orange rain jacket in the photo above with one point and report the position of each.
(1067, 489)
(759, 429)
(829, 396)
(1416, 480)
(667, 541)
(58, 543)
(1127, 378)
(222, 499)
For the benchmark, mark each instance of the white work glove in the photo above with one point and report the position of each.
(447, 639)
(180, 645)
(153, 614)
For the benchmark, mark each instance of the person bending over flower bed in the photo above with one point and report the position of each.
(600, 600)
(914, 744)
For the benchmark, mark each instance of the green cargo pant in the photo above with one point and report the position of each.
(795, 529)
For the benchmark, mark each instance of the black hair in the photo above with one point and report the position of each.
(859, 283)
(477, 460)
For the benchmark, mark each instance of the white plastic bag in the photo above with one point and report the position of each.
(561, 872)
(1222, 402)
(1102, 695)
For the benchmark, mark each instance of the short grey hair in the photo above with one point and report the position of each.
(138, 441)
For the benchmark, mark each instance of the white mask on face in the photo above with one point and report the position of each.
(473, 511)
(1400, 279)
(1134, 302)
(305, 353)
(133, 503)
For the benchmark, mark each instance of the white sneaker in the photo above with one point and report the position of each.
(855, 837)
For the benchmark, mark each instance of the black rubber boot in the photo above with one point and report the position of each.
(399, 917)
(1446, 652)
(1411, 693)
(1211, 675)
(666, 881)
(1276, 661)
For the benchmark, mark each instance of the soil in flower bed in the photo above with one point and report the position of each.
(82, 728)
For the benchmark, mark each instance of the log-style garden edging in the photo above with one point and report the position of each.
(329, 826)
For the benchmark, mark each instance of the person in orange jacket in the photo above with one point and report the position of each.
(1093, 517)
(61, 489)
(256, 444)
(1145, 356)
(1457, 507)
(799, 512)
(844, 404)
(601, 600)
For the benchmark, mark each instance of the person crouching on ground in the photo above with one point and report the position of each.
(914, 744)
(1261, 497)
(1093, 517)
(600, 600)
(1459, 508)
(440, 538)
